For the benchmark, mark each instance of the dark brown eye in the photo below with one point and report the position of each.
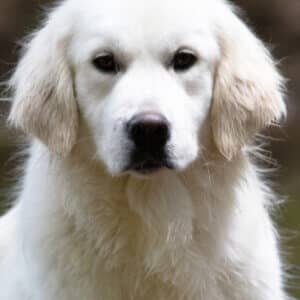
(106, 63)
(183, 61)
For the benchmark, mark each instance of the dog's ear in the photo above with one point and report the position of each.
(44, 104)
(248, 88)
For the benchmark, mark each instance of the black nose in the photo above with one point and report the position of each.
(149, 131)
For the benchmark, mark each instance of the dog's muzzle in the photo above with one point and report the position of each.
(149, 133)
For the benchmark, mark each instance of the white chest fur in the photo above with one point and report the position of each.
(199, 236)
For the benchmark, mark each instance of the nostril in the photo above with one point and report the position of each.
(149, 130)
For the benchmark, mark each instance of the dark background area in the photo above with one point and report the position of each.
(277, 22)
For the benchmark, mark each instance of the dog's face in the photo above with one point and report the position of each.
(144, 86)
(146, 77)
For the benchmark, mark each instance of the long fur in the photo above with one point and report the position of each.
(82, 229)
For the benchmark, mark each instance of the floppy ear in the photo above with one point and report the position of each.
(44, 104)
(248, 88)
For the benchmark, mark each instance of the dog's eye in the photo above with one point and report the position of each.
(183, 60)
(106, 63)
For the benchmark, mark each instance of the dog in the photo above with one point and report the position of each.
(140, 182)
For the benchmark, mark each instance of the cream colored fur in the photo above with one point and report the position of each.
(83, 229)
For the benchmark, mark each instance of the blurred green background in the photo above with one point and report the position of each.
(277, 22)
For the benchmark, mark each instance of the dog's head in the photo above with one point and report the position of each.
(147, 78)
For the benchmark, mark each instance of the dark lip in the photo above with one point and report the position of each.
(150, 166)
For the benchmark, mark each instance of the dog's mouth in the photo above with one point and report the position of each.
(148, 164)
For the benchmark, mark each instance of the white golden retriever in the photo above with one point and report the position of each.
(139, 183)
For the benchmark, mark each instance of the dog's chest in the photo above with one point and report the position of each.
(150, 247)
(134, 282)
(136, 267)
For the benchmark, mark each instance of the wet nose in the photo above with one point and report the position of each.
(149, 131)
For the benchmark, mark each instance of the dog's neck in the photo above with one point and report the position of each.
(134, 215)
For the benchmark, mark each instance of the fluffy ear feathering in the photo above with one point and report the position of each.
(248, 93)
(44, 101)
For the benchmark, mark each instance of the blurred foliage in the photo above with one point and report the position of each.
(277, 22)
